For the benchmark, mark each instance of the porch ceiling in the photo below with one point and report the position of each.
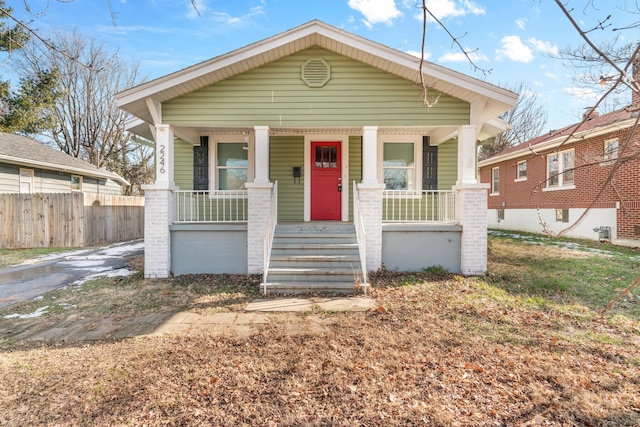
(314, 33)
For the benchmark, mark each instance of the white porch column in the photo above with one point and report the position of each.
(370, 197)
(370, 155)
(471, 212)
(467, 155)
(258, 218)
(159, 209)
(159, 214)
(164, 156)
(261, 154)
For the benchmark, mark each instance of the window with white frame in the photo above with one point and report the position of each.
(26, 181)
(399, 167)
(495, 180)
(232, 163)
(611, 149)
(560, 169)
(521, 171)
(76, 183)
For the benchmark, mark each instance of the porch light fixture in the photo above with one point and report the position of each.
(245, 146)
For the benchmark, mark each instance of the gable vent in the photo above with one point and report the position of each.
(315, 72)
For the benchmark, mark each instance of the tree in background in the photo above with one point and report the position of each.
(23, 111)
(84, 119)
(527, 120)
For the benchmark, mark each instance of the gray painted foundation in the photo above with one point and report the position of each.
(414, 247)
(208, 249)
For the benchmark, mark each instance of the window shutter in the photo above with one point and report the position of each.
(201, 165)
(429, 165)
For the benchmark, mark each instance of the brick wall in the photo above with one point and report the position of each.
(158, 216)
(370, 197)
(590, 176)
(258, 213)
(471, 202)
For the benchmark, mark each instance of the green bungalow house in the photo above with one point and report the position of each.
(310, 158)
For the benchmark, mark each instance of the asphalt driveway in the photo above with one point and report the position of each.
(42, 275)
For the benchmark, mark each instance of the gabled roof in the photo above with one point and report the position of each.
(140, 100)
(594, 126)
(23, 151)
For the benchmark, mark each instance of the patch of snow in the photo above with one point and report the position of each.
(120, 272)
(39, 312)
(67, 305)
(546, 241)
(40, 298)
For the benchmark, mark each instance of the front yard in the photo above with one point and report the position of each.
(523, 346)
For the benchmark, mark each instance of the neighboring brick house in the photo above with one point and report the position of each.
(563, 181)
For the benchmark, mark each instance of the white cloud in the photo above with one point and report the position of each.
(418, 54)
(513, 49)
(544, 47)
(552, 76)
(521, 23)
(443, 9)
(238, 20)
(112, 29)
(461, 57)
(581, 94)
(376, 11)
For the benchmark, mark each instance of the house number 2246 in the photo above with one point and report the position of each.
(161, 161)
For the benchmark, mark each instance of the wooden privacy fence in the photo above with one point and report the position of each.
(41, 220)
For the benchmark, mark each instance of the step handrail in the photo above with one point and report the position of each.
(268, 235)
(361, 236)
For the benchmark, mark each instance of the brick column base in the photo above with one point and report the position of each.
(259, 208)
(370, 196)
(471, 212)
(159, 213)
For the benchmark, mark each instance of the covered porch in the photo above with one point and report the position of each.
(231, 231)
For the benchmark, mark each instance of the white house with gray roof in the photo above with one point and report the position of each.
(28, 166)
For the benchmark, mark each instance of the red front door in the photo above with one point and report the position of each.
(326, 183)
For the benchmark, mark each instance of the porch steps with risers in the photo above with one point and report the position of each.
(314, 257)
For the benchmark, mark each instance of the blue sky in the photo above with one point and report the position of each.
(513, 37)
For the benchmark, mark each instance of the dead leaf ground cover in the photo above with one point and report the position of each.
(439, 350)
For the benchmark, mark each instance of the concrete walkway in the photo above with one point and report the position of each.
(260, 312)
(297, 316)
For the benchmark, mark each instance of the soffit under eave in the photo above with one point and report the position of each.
(242, 61)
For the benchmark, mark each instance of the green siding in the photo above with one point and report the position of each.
(285, 153)
(355, 168)
(275, 95)
(183, 164)
(447, 164)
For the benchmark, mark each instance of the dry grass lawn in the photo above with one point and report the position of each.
(439, 351)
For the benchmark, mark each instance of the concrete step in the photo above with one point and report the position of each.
(316, 239)
(310, 287)
(315, 260)
(314, 257)
(331, 227)
(311, 274)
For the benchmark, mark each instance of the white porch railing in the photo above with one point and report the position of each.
(211, 206)
(361, 236)
(268, 234)
(418, 206)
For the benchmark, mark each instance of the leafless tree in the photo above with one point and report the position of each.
(527, 120)
(87, 122)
